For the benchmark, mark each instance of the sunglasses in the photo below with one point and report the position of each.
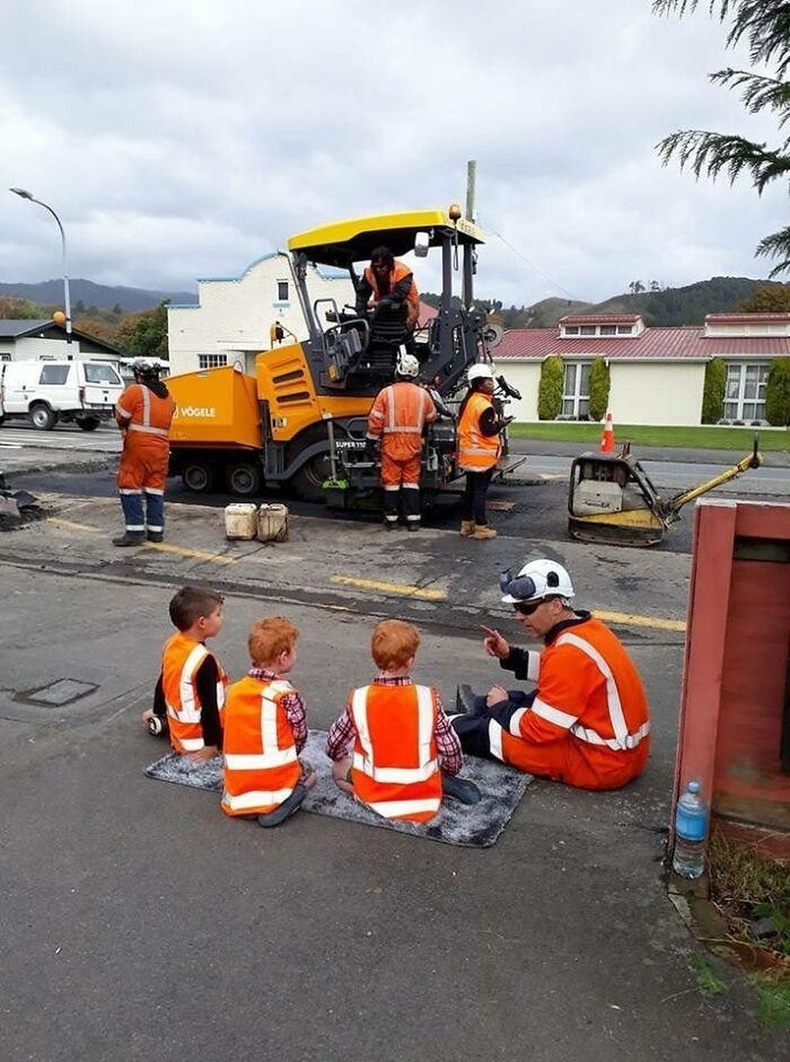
(526, 608)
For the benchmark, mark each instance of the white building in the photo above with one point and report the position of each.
(233, 320)
(45, 340)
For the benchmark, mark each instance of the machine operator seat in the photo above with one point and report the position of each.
(387, 333)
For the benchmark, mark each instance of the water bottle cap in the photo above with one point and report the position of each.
(693, 787)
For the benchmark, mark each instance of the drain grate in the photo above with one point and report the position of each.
(56, 694)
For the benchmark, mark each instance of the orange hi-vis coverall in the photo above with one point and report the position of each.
(398, 418)
(261, 762)
(395, 765)
(588, 722)
(145, 417)
(181, 660)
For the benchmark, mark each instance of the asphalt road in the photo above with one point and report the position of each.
(140, 922)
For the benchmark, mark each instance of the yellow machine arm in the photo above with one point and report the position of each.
(752, 460)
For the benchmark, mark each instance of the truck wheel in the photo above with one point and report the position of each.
(43, 417)
(89, 423)
(198, 477)
(244, 478)
(308, 481)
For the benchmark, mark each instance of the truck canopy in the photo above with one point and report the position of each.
(341, 243)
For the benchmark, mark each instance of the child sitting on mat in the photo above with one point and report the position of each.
(392, 739)
(190, 692)
(265, 728)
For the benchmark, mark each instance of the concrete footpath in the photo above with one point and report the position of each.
(139, 922)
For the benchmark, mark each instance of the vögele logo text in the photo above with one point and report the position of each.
(196, 411)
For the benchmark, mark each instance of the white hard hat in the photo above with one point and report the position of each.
(536, 580)
(480, 371)
(407, 365)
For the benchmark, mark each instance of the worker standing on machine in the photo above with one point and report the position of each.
(389, 282)
(397, 420)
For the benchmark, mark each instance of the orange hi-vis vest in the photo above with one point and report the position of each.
(590, 701)
(399, 415)
(181, 661)
(261, 763)
(399, 272)
(395, 767)
(476, 452)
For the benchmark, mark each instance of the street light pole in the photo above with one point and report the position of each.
(66, 294)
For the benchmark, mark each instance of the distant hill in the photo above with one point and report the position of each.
(50, 293)
(671, 307)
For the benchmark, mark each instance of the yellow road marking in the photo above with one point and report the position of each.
(641, 621)
(216, 558)
(391, 588)
(72, 526)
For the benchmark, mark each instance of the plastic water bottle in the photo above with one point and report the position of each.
(691, 829)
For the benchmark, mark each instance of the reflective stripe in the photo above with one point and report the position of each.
(123, 412)
(631, 740)
(261, 761)
(136, 491)
(255, 799)
(616, 714)
(149, 430)
(533, 665)
(190, 710)
(153, 490)
(552, 714)
(396, 775)
(495, 731)
(515, 720)
(192, 744)
(402, 430)
(392, 809)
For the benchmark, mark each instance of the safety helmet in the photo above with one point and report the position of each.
(536, 580)
(407, 365)
(480, 371)
(146, 368)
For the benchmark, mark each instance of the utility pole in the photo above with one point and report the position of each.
(471, 172)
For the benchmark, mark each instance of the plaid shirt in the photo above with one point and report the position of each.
(292, 703)
(343, 732)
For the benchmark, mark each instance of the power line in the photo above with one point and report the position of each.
(532, 266)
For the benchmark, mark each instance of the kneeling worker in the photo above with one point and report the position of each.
(587, 723)
(397, 419)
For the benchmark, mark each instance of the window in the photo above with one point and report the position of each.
(54, 374)
(576, 389)
(282, 291)
(212, 361)
(624, 330)
(101, 374)
(608, 330)
(744, 393)
(587, 330)
(571, 330)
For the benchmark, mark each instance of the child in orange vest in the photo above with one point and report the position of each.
(265, 729)
(190, 693)
(392, 739)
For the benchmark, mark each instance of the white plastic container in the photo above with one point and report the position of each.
(241, 521)
(273, 523)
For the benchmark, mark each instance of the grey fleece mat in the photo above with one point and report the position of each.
(476, 825)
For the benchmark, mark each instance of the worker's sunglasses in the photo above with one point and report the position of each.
(526, 608)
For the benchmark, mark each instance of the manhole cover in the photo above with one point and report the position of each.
(64, 691)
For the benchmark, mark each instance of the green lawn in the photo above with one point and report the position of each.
(708, 437)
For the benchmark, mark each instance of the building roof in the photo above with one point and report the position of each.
(49, 329)
(688, 343)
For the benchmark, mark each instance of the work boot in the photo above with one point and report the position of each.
(390, 525)
(285, 810)
(483, 531)
(465, 699)
(129, 538)
(460, 789)
(467, 528)
(156, 536)
(412, 525)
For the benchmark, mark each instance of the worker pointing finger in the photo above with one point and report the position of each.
(494, 644)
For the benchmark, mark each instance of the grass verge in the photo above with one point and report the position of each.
(706, 437)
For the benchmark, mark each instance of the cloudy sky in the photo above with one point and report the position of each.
(180, 139)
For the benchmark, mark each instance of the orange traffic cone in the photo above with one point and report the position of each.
(607, 439)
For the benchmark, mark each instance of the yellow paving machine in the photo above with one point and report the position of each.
(301, 420)
(612, 499)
